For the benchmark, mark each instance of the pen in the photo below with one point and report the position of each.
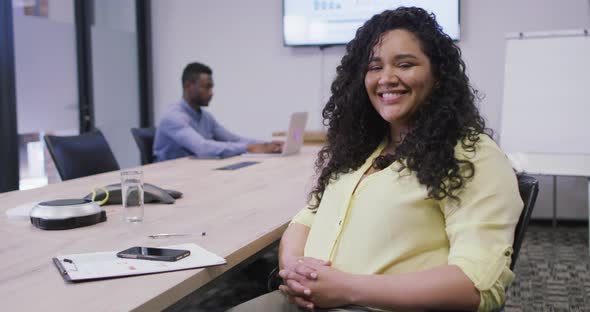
(164, 235)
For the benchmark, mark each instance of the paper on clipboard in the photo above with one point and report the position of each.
(102, 265)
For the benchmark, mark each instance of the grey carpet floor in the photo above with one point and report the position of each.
(552, 274)
(552, 271)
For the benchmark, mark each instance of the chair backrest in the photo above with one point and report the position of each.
(81, 155)
(144, 137)
(528, 187)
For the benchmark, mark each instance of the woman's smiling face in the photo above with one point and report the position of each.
(399, 77)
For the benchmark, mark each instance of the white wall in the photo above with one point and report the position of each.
(484, 25)
(115, 15)
(258, 82)
(61, 10)
(116, 94)
(116, 88)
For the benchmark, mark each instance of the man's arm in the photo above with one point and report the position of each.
(178, 129)
(253, 146)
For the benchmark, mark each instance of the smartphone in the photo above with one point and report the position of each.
(151, 253)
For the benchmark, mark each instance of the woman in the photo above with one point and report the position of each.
(415, 206)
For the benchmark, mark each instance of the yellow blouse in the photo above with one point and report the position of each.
(389, 225)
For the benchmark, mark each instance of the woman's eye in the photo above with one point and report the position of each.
(405, 65)
(374, 67)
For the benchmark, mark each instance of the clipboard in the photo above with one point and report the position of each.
(104, 265)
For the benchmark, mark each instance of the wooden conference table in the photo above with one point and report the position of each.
(241, 211)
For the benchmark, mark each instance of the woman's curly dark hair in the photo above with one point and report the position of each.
(449, 116)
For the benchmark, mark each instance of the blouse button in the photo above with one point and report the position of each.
(340, 222)
(507, 253)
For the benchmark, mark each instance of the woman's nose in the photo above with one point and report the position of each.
(388, 76)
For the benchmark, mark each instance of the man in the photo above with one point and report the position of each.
(186, 129)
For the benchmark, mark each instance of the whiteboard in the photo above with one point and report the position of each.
(546, 106)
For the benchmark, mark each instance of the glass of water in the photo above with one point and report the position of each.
(132, 194)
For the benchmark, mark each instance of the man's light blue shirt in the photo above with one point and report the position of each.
(184, 132)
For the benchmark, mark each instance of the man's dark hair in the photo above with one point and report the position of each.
(192, 71)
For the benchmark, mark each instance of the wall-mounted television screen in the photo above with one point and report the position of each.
(331, 22)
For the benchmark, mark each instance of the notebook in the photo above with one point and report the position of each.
(294, 139)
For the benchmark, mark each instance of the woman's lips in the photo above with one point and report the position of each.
(391, 97)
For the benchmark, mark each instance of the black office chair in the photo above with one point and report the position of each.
(528, 187)
(144, 137)
(81, 155)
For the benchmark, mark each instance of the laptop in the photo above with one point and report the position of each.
(294, 139)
